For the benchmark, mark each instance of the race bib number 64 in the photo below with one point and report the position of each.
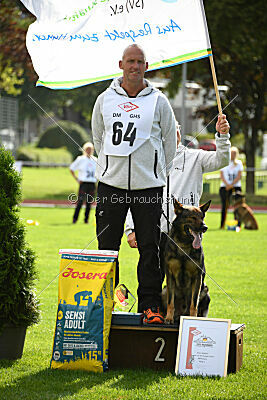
(127, 124)
(128, 136)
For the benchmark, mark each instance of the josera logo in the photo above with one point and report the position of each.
(128, 106)
(70, 273)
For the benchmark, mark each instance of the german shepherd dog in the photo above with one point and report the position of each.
(184, 264)
(243, 212)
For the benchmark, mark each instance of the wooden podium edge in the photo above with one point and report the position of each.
(234, 328)
(145, 328)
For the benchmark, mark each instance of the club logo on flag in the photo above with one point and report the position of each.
(128, 106)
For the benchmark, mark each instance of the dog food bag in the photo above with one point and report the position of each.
(85, 301)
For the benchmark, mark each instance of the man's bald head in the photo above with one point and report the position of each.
(131, 47)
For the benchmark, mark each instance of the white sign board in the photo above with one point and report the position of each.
(203, 346)
(74, 43)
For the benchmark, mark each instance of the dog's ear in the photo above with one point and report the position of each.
(204, 207)
(238, 193)
(178, 207)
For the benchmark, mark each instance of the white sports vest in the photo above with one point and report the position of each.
(128, 121)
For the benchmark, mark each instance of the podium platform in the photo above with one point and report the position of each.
(133, 345)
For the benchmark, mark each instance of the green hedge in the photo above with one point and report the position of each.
(71, 136)
(18, 303)
(30, 153)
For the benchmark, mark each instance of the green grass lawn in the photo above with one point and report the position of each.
(236, 261)
(47, 183)
(57, 183)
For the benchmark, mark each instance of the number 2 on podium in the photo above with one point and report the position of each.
(158, 358)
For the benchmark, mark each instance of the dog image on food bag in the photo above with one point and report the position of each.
(243, 212)
(184, 264)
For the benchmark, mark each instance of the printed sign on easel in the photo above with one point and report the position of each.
(203, 346)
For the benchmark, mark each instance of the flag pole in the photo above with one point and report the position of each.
(215, 84)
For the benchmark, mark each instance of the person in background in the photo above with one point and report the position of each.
(231, 179)
(86, 166)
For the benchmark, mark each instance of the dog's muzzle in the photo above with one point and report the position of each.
(203, 228)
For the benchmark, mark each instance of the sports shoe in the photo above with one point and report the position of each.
(153, 316)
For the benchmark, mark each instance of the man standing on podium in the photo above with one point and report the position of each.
(134, 134)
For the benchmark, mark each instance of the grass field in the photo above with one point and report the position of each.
(236, 261)
(47, 183)
(57, 183)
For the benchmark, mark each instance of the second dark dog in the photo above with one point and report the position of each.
(243, 213)
(184, 264)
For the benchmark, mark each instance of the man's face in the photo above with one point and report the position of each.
(133, 65)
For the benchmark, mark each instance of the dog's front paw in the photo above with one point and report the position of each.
(168, 321)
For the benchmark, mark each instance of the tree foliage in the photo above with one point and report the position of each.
(15, 60)
(241, 55)
(238, 39)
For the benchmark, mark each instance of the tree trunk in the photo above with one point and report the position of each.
(250, 150)
(250, 179)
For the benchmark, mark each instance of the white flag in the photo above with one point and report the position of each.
(72, 44)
